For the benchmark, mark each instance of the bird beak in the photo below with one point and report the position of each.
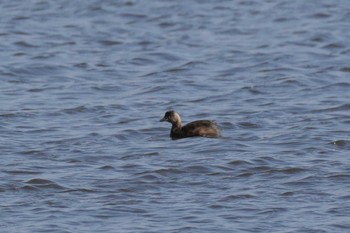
(163, 119)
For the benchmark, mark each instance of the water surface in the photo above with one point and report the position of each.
(83, 85)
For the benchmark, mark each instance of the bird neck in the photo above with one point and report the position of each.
(177, 124)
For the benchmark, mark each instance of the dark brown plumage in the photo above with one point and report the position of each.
(202, 128)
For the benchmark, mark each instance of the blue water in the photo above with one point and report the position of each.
(83, 85)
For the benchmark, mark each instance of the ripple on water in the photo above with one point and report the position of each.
(28, 171)
(42, 184)
(237, 197)
(345, 69)
(341, 143)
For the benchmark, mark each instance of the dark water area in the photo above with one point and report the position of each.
(83, 85)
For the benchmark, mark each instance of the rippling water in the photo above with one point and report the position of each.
(83, 85)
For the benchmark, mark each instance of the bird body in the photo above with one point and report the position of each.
(201, 128)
